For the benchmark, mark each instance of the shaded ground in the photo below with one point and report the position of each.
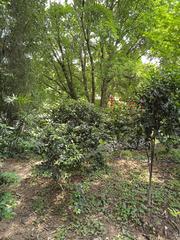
(27, 224)
(91, 209)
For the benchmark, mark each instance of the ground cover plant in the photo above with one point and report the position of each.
(7, 200)
(105, 204)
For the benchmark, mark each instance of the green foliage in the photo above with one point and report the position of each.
(160, 111)
(124, 123)
(165, 29)
(93, 48)
(118, 198)
(170, 154)
(5, 138)
(17, 78)
(126, 154)
(72, 139)
(39, 205)
(174, 212)
(121, 200)
(8, 178)
(76, 113)
(7, 203)
(89, 227)
(175, 155)
(15, 142)
(160, 115)
(78, 200)
(61, 233)
(131, 208)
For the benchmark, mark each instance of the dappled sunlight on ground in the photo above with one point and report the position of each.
(27, 224)
(139, 168)
(43, 205)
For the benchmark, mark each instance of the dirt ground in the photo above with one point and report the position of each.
(27, 224)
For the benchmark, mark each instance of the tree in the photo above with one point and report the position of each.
(89, 42)
(159, 116)
(19, 38)
(163, 35)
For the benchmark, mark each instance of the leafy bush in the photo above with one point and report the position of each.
(124, 124)
(76, 113)
(6, 137)
(13, 141)
(126, 154)
(8, 178)
(72, 138)
(7, 201)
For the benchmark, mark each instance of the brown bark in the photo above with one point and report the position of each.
(92, 73)
(83, 69)
(65, 66)
(86, 35)
(105, 81)
(104, 94)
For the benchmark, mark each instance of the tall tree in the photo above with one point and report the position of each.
(95, 46)
(19, 38)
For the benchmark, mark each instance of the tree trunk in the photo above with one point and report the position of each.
(66, 69)
(104, 94)
(85, 81)
(93, 87)
(86, 35)
(152, 147)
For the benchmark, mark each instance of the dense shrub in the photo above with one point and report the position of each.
(15, 142)
(72, 138)
(76, 113)
(124, 125)
(6, 134)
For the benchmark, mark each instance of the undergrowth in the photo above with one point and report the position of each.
(119, 198)
(7, 200)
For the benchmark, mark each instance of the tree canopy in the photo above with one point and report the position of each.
(83, 49)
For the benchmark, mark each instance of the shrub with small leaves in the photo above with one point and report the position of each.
(15, 142)
(125, 126)
(72, 138)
